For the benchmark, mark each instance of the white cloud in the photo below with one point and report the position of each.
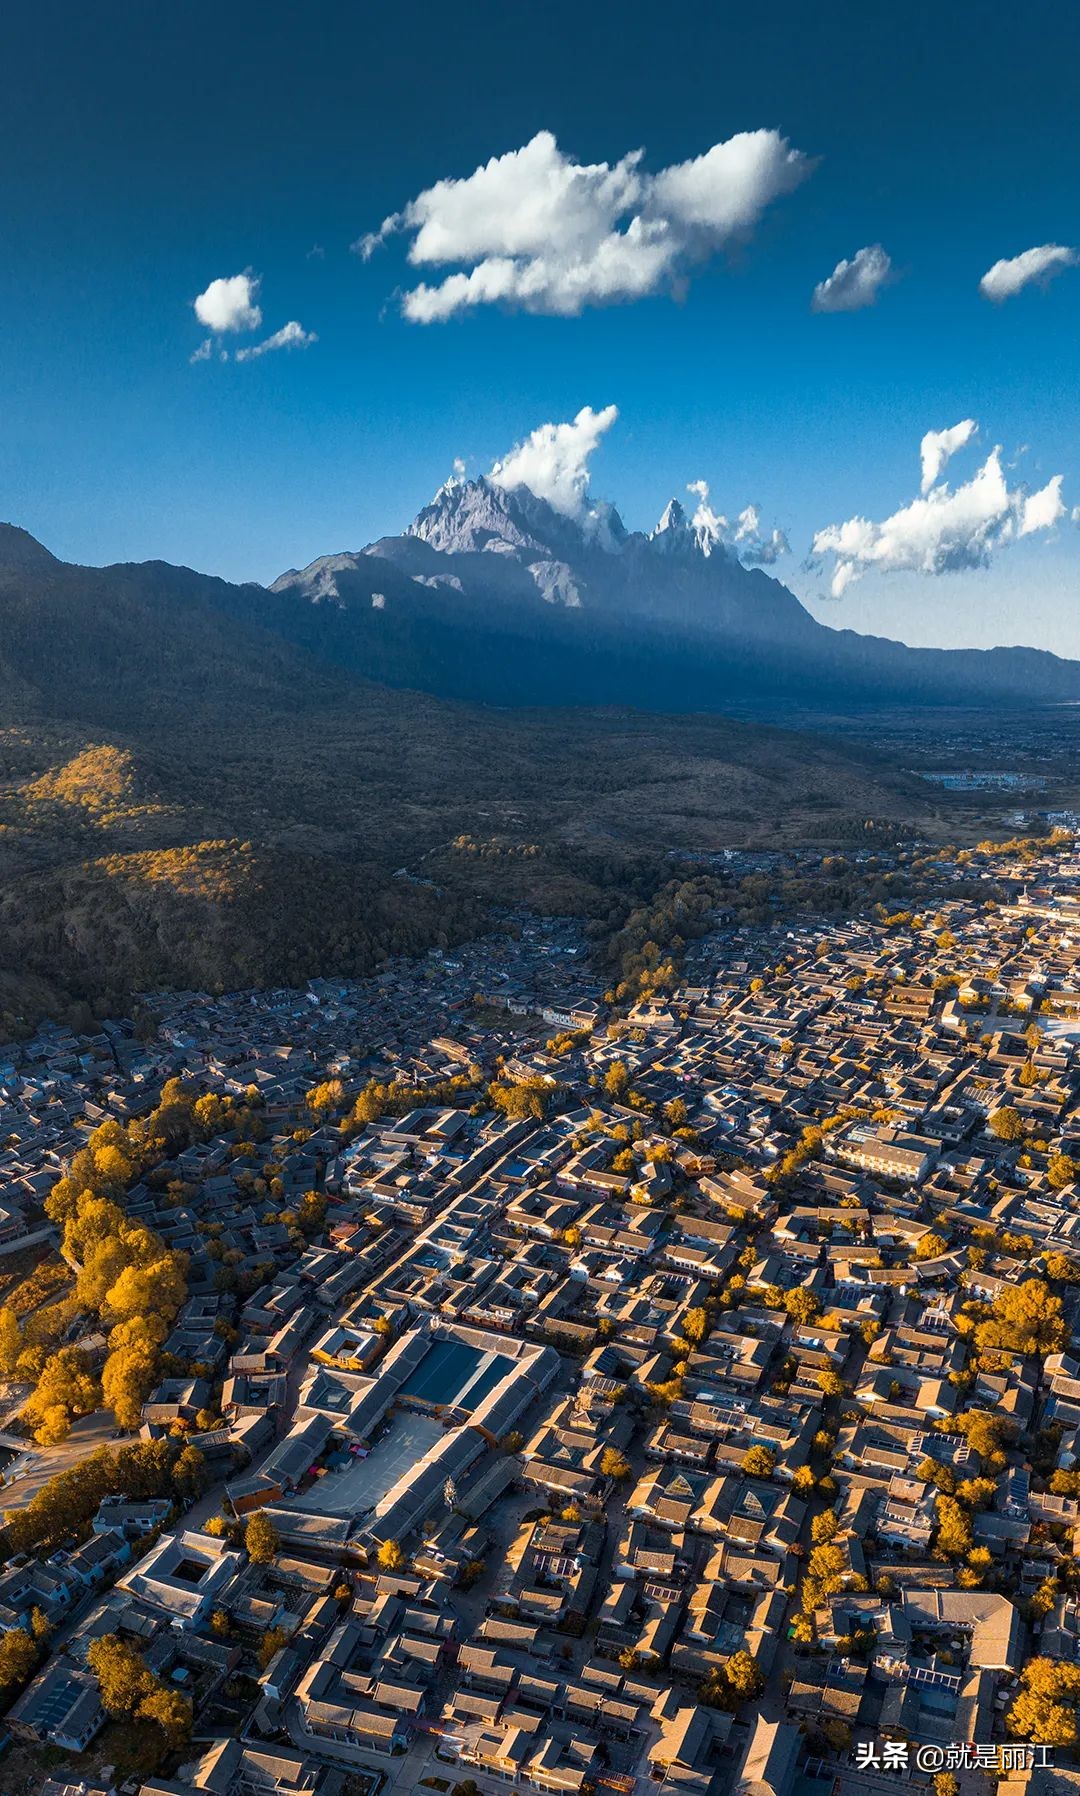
(554, 461)
(754, 549)
(538, 230)
(937, 446)
(709, 524)
(229, 304)
(1007, 277)
(1044, 509)
(947, 529)
(290, 336)
(743, 537)
(855, 284)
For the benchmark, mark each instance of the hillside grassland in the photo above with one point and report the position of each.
(188, 800)
(185, 853)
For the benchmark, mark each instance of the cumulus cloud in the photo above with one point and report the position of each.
(290, 336)
(539, 231)
(937, 446)
(228, 304)
(1044, 509)
(743, 536)
(752, 547)
(553, 462)
(947, 529)
(854, 284)
(228, 307)
(1040, 264)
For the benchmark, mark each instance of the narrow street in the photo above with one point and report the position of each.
(772, 1705)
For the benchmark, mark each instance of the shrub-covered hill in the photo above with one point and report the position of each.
(186, 799)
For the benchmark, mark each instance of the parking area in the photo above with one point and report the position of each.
(362, 1483)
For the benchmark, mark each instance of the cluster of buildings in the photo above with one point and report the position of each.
(554, 1418)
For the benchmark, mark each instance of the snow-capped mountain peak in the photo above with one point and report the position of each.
(676, 534)
(673, 517)
(482, 517)
(474, 517)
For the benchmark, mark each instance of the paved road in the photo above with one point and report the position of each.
(27, 1475)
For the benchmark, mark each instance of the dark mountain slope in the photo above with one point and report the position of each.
(198, 785)
(668, 621)
(186, 797)
(119, 643)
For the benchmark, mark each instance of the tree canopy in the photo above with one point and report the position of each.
(261, 1539)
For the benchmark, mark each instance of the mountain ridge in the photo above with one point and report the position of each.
(490, 596)
(667, 619)
(210, 784)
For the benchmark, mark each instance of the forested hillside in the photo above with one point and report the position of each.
(185, 800)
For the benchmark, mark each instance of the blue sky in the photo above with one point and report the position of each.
(146, 151)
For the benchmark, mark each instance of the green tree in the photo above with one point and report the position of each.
(1007, 1124)
(10, 1340)
(171, 1711)
(18, 1656)
(802, 1305)
(522, 1100)
(1062, 1269)
(271, 1644)
(1044, 1710)
(758, 1462)
(740, 1680)
(66, 1388)
(127, 1378)
(954, 1529)
(1025, 1318)
(157, 1289)
(617, 1079)
(123, 1676)
(1061, 1170)
(930, 1246)
(261, 1539)
(614, 1464)
(321, 1099)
